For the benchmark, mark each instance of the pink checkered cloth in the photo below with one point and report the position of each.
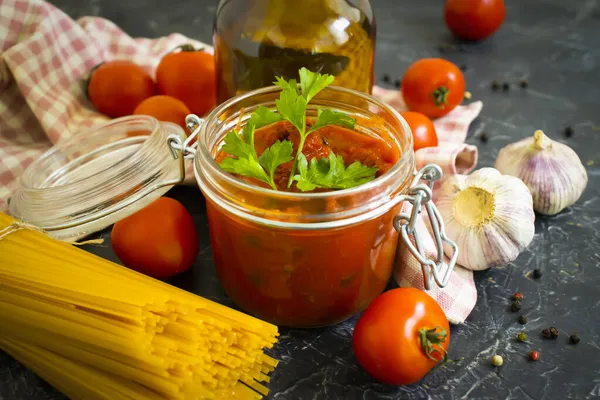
(45, 59)
(46, 56)
(458, 298)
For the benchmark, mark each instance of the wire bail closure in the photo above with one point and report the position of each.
(177, 146)
(183, 149)
(420, 195)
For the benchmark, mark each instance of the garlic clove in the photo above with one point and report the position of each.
(551, 170)
(489, 215)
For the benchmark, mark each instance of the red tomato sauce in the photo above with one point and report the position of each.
(307, 278)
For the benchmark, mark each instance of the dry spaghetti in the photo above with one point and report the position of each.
(96, 330)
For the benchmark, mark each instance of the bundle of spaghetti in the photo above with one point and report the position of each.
(97, 330)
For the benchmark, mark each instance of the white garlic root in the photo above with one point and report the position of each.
(551, 170)
(489, 215)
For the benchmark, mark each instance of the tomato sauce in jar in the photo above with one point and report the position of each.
(353, 146)
(307, 259)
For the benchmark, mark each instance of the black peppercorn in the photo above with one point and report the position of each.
(550, 333)
(398, 83)
(495, 85)
(569, 131)
(574, 338)
(546, 333)
(505, 86)
(484, 137)
(522, 320)
(386, 78)
(524, 84)
(515, 306)
(463, 67)
(537, 274)
(446, 47)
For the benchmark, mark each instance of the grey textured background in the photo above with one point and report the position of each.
(553, 44)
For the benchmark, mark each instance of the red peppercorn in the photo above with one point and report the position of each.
(534, 355)
(518, 296)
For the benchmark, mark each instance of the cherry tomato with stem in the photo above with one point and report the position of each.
(401, 336)
(474, 19)
(423, 130)
(433, 86)
(160, 240)
(115, 88)
(189, 75)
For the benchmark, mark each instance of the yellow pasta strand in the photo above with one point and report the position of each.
(97, 331)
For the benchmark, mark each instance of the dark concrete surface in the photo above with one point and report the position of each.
(555, 45)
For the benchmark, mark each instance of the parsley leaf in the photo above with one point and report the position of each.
(247, 162)
(308, 175)
(291, 85)
(312, 83)
(329, 117)
(234, 145)
(330, 173)
(291, 105)
(279, 153)
(262, 116)
(246, 167)
(259, 118)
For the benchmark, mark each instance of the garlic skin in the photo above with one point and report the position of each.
(489, 215)
(551, 170)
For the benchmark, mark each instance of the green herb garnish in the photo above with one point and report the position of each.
(247, 162)
(292, 107)
(329, 173)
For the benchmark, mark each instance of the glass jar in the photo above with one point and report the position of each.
(257, 40)
(303, 259)
(294, 259)
(87, 183)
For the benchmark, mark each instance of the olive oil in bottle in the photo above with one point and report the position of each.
(257, 40)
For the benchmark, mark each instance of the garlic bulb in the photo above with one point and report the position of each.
(551, 170)
(489, 215)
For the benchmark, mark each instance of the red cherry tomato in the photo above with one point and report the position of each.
(391, 337)
(474, 19)
(433, 86)
(164, 108)
(115, 88)
(423, 130)
(189, 75)
(160, 240)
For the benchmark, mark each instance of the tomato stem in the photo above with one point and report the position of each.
(431, 340)
(440, 96)
(186, 47)
(89, 78)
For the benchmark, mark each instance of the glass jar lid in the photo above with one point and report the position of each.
(98, 177)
